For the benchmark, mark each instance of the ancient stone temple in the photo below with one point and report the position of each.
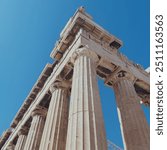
(63, 109)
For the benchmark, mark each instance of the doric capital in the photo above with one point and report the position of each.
(84, 51)
(121, 75)
(11, 146)
(59, 84)
(39, 110)
(23, 131)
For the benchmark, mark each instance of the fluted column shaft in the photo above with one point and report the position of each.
(11, 146)
(21, 139)
(55, 130)
(134, 126)
(85, 128)
(35, 131)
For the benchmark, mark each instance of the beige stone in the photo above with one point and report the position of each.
(83, 51)
(36, 129)
(22, 136)
(11, 146)
(135, 130)
(86, 127)
(55, 130)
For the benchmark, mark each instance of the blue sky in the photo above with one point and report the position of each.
(29, 30)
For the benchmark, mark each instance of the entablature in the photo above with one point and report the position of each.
(33, 93)
(82, 20)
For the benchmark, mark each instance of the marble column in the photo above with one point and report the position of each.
(85, 127)
(36, 129)
(11, 146)
(22, 136)
(55, 130)
(135, 130)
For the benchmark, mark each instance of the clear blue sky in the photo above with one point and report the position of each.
(29, 30)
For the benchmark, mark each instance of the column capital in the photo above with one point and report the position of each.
(23, 131)
(39, 110)
(85, 100)
(129, 112)
(121, 75)
(59, 84)
(84, 51)
(11, 146)
(36, 128)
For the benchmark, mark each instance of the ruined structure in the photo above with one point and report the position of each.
(63, 110)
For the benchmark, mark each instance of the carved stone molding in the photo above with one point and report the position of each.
(39, 110)
(11, 146)
(23, 131)
(121, 75)
(60, 84)
(84, 51)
